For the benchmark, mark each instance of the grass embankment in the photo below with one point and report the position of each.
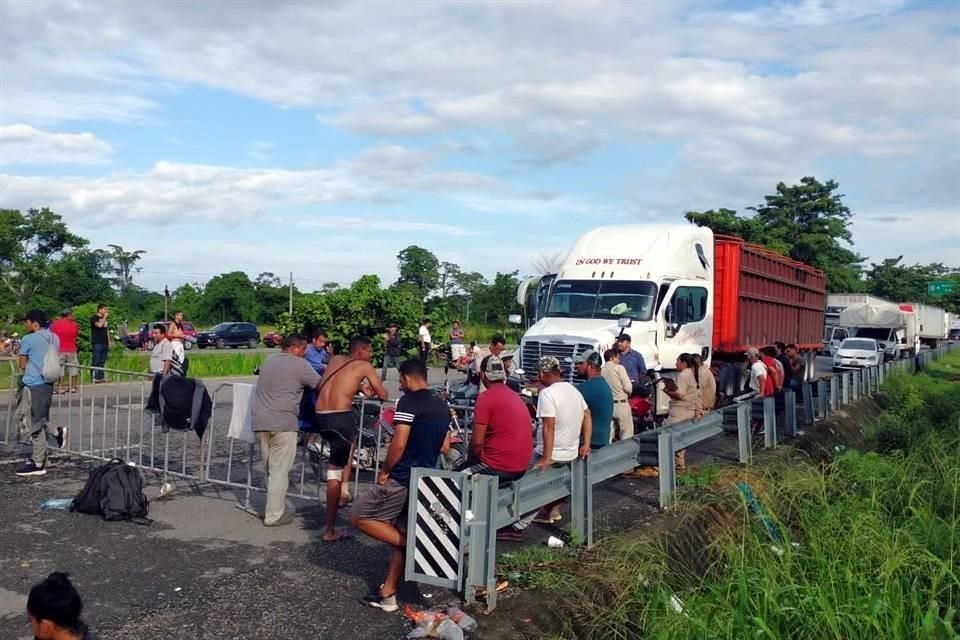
(866, 545)
(203, 364)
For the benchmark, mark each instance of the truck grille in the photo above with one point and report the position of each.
(533, 350)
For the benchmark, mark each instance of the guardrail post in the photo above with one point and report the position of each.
(744, 439)
(845, 392)
(809, 417)
(822, 398)
(769, 423)
(581, 498)
(790, 413)
(482, 540)
(881, 374)
(834, 394)
(668, 472)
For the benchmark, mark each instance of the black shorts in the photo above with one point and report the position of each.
(339, 429)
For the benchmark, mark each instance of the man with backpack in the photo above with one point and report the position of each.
(40, 368)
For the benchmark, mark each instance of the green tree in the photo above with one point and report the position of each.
(808, 222)
(418, 268)
(29, 244)
(363, 308)
(77, 277)
(893, 280)
(273, 297)
(495, 302)
(229, 297)
(123, 265)
(447, 279)
(189, 299)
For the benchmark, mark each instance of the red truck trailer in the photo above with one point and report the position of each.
(762, 297)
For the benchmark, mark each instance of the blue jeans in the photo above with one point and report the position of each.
(100, 353)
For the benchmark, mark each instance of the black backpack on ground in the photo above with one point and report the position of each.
(115, 491)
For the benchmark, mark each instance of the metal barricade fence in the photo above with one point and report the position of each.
(108, 420)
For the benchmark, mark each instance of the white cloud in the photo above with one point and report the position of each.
(740, 98)
(23, 144)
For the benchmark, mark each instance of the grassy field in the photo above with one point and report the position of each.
(866, 545)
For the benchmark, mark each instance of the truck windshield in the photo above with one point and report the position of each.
(606, 299)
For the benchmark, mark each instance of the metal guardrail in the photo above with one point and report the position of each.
(463, 531)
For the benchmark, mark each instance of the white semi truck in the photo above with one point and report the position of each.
(679, 288)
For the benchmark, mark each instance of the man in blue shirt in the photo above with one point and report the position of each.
(316, 353)
(631, 360)
(32, 351)
(422, 433)
(598, 396)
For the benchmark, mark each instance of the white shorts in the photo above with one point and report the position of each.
(458, 351)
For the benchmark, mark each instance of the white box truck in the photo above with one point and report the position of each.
(933, 323)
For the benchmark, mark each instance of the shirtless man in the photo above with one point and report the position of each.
(345, 376)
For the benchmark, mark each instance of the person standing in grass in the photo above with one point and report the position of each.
(100, 341)
(33, 349)
(424, 340)
(66, 329)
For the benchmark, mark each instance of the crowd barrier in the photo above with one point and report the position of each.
(107, 420)
(453, 518)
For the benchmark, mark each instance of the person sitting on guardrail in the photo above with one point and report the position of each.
(768, 355)
(273, 415)
(344, 377)
(596, 393)
(761, 383)
(502, 441)
(421, 424)
(564, 433)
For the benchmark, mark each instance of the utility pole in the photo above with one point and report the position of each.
(290, 306)
(166, 300)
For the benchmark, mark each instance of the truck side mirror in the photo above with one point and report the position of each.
(514, 318)
(624, 323)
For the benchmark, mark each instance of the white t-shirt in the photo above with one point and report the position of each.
(562, 401)
(424, 334)
(162, 351)
(757, 369)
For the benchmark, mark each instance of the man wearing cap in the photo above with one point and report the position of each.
(497, 344)
(67, 330)
(631, 360)
(621, 388)
(596, 393)
(564, 433)
(502, 440)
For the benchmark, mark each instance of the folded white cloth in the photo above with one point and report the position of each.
(241, 426)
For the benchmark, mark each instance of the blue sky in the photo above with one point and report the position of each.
(322, 138)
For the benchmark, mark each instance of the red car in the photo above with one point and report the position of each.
(272, 339)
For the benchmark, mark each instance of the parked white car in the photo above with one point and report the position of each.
(856, 353)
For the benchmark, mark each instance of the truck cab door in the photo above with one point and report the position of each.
(686, 321)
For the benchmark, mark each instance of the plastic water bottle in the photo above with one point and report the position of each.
(448, 630)
(56, 504)
(463, 620)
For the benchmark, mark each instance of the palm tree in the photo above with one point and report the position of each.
(123, 265)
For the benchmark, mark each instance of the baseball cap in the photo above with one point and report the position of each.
(548, 364)
(492, 367)
(624, 337)
(590, 357)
